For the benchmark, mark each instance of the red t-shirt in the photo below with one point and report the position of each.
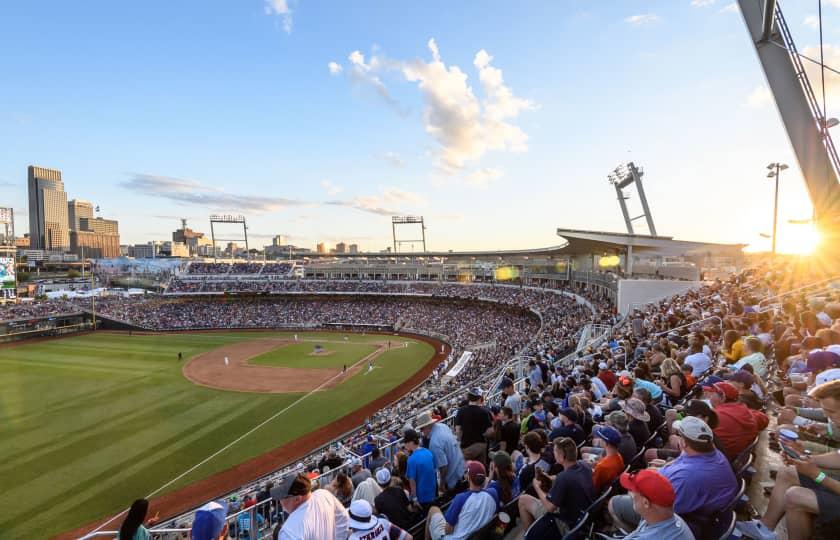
(608, 378)
(607, 470)
(737, 427)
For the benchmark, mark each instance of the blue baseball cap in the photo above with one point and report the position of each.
(609, 434)
(209, 521)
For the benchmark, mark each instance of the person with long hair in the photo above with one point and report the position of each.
(342, 488)
(133, 527)
(673, 381)
(502, 478)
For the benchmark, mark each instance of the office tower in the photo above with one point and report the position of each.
(76, 210)
(48, 221)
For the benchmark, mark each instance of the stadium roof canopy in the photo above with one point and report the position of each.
(581, 242)
(577, 243)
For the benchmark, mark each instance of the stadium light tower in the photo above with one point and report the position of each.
(775, 169)
(622, 177)
(407, 220)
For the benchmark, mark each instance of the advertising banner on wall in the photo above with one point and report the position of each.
(7, 278)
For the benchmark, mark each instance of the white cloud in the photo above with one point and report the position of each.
(483, 177)
(280, 8)
(454, 117)
(388, 203)
(193, 192)
(642, 20)
(730, 8)
(702, 3)
(366, 74)
(812, 21)
(331, 188)
(759, 98)
(464, 127)
(334, 68)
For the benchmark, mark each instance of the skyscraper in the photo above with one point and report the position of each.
(76, 210)
(48, 222)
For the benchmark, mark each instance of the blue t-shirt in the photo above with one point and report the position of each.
(703, 482)
(421, 469)
(655, 391)
(447, 453)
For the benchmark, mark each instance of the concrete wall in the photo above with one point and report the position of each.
(632, 291)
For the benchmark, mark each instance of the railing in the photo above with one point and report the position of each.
(693, 323)
(829, 282)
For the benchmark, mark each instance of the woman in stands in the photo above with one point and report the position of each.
(133, 527)
(673, 381)
(342, 488)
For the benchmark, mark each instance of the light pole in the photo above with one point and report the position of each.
(775, 169)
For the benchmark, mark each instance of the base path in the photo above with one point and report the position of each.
(220, 484)
(209, 369)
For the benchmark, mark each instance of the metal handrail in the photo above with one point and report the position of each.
(799, 289)
(720, 321)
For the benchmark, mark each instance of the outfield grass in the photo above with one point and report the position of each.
(299, 355)
(92, 422)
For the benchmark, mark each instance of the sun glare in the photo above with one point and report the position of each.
(798, 240)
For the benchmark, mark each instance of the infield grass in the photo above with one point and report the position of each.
(300, 355)
(92, 422)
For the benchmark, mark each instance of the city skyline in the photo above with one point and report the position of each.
(494, 130)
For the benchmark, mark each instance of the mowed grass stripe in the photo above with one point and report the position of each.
(86, 442)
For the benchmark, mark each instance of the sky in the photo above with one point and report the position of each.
(319, 120)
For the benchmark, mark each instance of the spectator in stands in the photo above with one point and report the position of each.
(134, 525)
(342, 488)
(473, 423)
(738, 425)
(512, 398)
(468, 512)
(697, 359)
(420, 470)
(393, 502)
(507, 429)
(566, 425)
(639, 418)
(210, 522)
(534, 444)
(610, 466)
(313, 515)
(807, 490)
(365, 526)
(627, 447)
(753, 355)
(449, 461)
(572, 490)
(606, 375)
(535, 375)
(376, 460)
(653, 411)
(502, 478)
(653, 499)
(733, 346)
(673, 381)
(359, 473)
(701, 476)
(672, 449)
(688, 373)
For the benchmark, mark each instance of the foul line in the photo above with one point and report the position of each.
(205, 460)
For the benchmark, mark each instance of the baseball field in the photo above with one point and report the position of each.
(89, 423)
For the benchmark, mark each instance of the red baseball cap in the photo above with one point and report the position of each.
(651, 485)
(476, 471)
(726, 390)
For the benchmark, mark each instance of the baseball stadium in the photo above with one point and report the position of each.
(612, 385)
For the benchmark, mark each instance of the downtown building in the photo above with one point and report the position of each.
(48, 222)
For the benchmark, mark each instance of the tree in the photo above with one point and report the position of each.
(73, 273)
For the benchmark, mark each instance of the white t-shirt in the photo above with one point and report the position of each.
(599, 388)
(383, 530)
(322, 517)
(756, 360)
(699, 363)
